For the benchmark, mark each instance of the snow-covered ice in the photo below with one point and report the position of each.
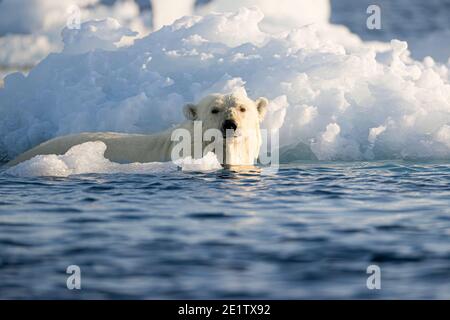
(279, 15)
(165, 12)
(331, 94)
(30, 29)
(94, 35)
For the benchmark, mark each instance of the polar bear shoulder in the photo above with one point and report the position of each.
(121, 147)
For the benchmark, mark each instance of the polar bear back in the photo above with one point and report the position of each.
(121, 147)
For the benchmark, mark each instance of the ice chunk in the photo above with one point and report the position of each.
(338, 98)
(443, 135)
(165, 12)
(281, 14)
(97, 34)
(208, 163)
(30, 29)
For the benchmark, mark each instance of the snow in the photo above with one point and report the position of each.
(30, 29)
(25, 50)
(165, 12)
(30, 16)
(89, 158)
(279, 15)
(331, 94)
(94, 35)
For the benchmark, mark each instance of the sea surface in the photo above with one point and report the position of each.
(307, 230)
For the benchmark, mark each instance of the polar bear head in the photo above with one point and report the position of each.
(238, 119)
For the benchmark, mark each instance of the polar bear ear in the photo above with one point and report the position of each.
(190, 111)
(261, 105)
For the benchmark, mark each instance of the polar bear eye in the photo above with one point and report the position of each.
(243, 109)
(215, 110)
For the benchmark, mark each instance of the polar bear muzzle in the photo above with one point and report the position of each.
(228, 126)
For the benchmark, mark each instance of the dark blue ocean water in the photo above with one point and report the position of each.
(309, 230)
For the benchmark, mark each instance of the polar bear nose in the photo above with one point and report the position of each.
(228, 125)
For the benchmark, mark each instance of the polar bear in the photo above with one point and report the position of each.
(235, 116)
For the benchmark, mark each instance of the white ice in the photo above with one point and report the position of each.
(30, 29)
(331, 94)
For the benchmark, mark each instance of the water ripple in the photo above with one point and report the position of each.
(308, 230)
